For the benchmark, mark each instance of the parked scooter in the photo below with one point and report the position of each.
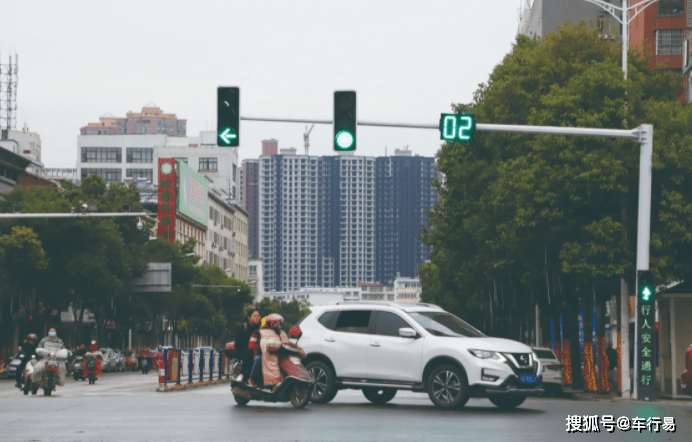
(294, 388)
(47, 373)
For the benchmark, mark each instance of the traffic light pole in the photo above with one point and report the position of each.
(644, 135)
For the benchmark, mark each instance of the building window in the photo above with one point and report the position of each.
(669, 41)
(102, 155)
(140, 155)
(671, 7)
(140, 173)
(110, 175)
(208, 164)
(183, 159)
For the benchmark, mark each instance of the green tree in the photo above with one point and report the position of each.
(526, 219)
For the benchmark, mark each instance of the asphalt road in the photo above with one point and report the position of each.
(125, 406)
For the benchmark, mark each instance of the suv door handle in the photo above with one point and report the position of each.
(329, 339)
(374, 344)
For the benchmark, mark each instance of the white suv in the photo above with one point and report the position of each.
(382, 347)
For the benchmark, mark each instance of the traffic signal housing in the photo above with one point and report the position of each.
(228, 116)
(345, 120)
(647, 288)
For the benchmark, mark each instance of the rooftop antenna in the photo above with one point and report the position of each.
(8, 93)
(306, 138)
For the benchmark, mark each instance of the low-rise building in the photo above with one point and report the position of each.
(318, 295)
(377, 292)
(407, 289)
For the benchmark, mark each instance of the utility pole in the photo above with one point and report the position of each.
(625, 19)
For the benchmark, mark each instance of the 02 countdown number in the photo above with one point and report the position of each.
(455, 127)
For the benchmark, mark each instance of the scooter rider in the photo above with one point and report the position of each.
(51, 342)
(242, 339)
(29, 349)
(93, 351)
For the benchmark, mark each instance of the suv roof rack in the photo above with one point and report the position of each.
(390, 304)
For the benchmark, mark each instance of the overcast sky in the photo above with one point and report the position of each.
(407, 60)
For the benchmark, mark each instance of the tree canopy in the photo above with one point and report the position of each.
(521, 217)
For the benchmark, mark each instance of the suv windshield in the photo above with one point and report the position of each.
(445, 324)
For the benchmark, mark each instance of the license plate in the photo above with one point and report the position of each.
(528, 379)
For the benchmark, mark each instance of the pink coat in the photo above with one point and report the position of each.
(270, 344)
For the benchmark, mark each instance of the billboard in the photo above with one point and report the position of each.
(193, 194)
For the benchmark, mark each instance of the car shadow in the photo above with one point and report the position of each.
(252, 408)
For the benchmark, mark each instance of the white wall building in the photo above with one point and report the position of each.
(26, 144)
(226, 240)
(120, 158)
(318, 295)
(407, 289)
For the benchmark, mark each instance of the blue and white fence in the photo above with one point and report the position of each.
(194, 368)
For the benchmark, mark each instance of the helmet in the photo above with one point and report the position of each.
(93, 342)
(31, 337)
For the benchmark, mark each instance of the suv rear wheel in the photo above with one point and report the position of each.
(448, 387)
(379, 395)
(323, 390)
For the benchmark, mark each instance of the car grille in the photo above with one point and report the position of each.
(522, 363)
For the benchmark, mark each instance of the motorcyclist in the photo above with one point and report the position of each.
(93, 351)
(242, 340)
(51, 342)
(271, 340)
(29, 349)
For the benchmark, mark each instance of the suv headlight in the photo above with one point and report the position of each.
(486, 354)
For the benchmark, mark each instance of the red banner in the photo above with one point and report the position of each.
(172, 371)
(167, 198)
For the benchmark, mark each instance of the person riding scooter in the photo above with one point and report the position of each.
(145, 356)
(29, 350)
(96, 353)
(271, 340)
(242, 339)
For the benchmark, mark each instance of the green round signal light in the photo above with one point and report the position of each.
(344, 139)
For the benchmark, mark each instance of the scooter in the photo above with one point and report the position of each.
(78, 368)
(92, 362)
(46, 373)
(295, 387)
(26, 376)
(145, 363)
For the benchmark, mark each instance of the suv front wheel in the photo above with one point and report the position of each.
(323, 390)
(448, 387)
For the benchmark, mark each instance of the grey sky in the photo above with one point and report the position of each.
(408, 61)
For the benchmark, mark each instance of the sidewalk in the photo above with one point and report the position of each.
(581, 395)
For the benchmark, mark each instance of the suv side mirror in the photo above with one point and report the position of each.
(406, 332)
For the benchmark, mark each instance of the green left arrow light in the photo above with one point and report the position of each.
(228, 135)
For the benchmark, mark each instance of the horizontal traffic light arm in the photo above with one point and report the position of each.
(632, 134)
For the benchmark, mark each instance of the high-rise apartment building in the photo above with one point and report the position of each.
(249, 186)
(151, 120)
(403, 196)
(318, 218)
